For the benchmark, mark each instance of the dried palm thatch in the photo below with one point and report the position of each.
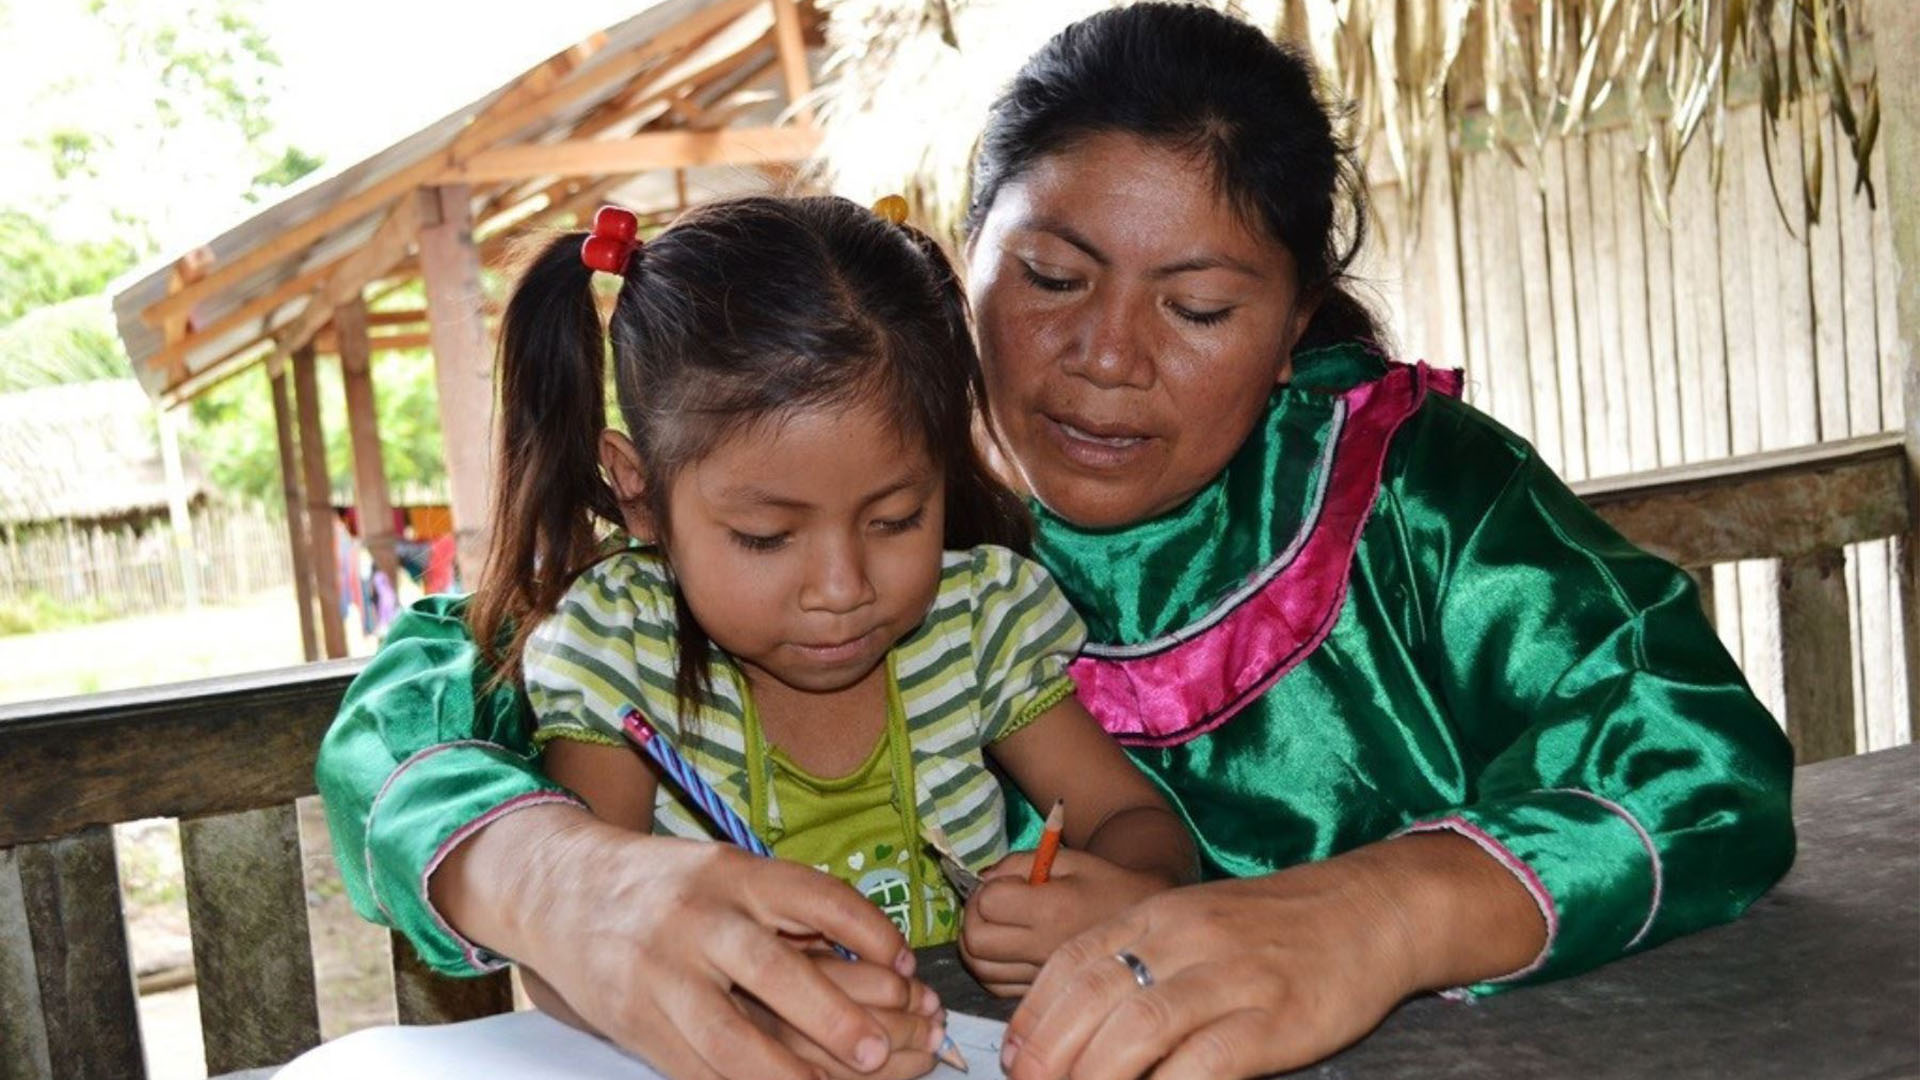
(909, 81)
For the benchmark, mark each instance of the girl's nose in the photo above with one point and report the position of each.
(1110, 349)
(837, 580)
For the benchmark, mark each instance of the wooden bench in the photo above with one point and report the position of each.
(228, 757)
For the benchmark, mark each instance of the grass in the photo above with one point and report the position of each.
(38, 613)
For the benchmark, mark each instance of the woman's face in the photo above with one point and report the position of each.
(1131, 326)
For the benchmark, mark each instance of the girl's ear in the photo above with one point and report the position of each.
(621, 462)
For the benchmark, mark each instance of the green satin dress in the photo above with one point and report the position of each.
(1385, 615)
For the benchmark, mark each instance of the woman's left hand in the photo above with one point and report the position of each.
(1011, 927)
(1264, 975)
(1248, 977)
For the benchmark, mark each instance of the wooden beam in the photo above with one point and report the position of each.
(793, 61)
(397, 318)
(252, 954)
(172, 359)
(187, 269)
(1816, 655)
(70, 890)
(422, 997)
(296, 510)
(642, 152)
(370, 502)
(321, 561)
(450, 264)
(349, 280)
(1780, 504)
(498, 122)
(1896, 34)
(211, 746)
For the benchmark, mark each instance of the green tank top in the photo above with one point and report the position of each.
(861, 828)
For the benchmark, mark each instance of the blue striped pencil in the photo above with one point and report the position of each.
(708, 800)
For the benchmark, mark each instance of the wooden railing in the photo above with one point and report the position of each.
(228, 757)
(1802, 507)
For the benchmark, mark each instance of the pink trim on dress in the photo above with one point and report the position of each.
(1169, 695)
(1653, 856)
(518, 802)
(1515, 866)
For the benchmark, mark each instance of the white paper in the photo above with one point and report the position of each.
(533, 1044)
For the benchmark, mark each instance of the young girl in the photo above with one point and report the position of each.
(815, 590)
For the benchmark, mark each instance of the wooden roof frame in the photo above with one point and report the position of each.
(661, 91)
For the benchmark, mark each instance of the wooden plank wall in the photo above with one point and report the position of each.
(1617, 344)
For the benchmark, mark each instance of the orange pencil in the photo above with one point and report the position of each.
(1049, 844)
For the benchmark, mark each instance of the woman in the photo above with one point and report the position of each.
(1433, 723)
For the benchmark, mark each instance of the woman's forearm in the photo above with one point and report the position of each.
(1462, 916)
(488, 887)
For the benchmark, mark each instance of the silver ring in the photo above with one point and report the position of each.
(1142, 974)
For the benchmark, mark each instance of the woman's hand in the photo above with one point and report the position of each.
(910, 1011)
(1269, 974)
(1011, 927)
(646, 938)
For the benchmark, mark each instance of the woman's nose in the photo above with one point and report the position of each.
(837, 580)
(1110, 348)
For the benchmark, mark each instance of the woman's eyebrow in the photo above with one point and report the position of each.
(1210, 261)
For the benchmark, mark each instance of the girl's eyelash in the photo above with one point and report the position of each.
(909, 523)
(758, 543)
(1049, 284)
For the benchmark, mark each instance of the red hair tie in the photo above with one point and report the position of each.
(616, 235)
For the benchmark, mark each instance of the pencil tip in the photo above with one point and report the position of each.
(1058, 815)
(950, 1055)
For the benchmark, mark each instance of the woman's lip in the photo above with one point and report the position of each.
(1091, 449)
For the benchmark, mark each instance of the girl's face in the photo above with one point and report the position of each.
(1131, 327)
(808, 545)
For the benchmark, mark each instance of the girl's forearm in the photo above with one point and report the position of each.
(1463, 917)
(1147, 838)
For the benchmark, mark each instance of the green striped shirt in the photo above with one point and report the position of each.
(990, 656)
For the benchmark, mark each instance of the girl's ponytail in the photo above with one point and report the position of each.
(548, 489)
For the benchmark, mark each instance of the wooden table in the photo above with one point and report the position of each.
(1821, 979)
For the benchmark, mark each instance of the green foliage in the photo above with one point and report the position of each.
(37, 269)
(233, 432)
(292, 164)
(37, 612)
(72, 341)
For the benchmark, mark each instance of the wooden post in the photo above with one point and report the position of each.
(313, 460)
(793, 60)
(370, 500)
(1816, 655)
(296, 510)
(1896, 37)
(463, 376)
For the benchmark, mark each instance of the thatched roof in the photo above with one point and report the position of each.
(83, 452)
(908, 82)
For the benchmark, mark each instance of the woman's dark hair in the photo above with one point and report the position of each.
(741, 311)
(1197, 80)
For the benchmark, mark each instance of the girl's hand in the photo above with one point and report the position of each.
(1271, 974)
(910, 1011)
(1011, 927)
(646, 937)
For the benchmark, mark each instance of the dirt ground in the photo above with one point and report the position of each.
(353, 970)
